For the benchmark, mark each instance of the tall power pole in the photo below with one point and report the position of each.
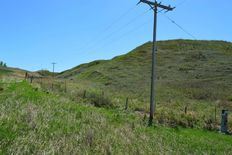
(53, 74)
(154, 6)
(53, 68)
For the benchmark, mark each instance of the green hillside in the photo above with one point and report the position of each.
(196, 75)
(200, 70)
(45, 73)
(19, 74)
(12, 73)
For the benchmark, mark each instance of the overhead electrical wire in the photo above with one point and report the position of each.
(179, 26)
(123, 15)
(120, 28)
(181, 3)
(125, 34)
(91, 44)
(175, 23)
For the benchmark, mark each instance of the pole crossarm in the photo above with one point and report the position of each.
(156, 4)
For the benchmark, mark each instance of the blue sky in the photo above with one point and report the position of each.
(35, 33)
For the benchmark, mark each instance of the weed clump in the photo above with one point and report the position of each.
(173, 120)
(210, 125)
(100, 100)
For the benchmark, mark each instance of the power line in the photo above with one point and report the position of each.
(119, 29)
(121, 17)
(125, 34)
(180, 27)
(109, 26)
(181, 3)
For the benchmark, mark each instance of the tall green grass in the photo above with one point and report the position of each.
(34, 122)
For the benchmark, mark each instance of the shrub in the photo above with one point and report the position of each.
(210, 125)
(99, 100)
(173, 120)
(230, 98)
(2, 64)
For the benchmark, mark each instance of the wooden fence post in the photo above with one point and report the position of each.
(126, 105)
(41, 81)
(84, 94)
(31, 79)
(215, 114)
(186, 110)
(26, 76)
(65, 84)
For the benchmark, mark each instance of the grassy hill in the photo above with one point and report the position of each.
(19, 74)
(46, 73)
(196, 75)
(13, 73)
(35, 122)
(196, 69)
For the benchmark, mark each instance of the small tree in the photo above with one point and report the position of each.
(2, 64)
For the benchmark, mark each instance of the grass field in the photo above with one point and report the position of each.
(35, 122)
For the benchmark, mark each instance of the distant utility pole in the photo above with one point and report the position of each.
(154, 6)
(53, 73)
(53, 68)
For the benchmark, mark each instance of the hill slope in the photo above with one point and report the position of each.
(199, 70)
(15, 73)
(19, 74)
(34, 122)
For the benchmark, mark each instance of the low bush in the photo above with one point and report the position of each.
(173, 120)
(210, 125)
(99, 100)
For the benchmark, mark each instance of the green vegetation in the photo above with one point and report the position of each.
(2, 64)
(35, 122)
(194, 69)
(45, 73)
(4, 71)
(191, 74)
(81, 111)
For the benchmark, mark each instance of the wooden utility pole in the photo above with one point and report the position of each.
(154, 6)
(53, 68)
(53, 74)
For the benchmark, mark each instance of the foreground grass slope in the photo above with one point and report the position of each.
(35, 122)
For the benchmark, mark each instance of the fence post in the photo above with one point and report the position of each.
(185, 109)
(26, 76)
(215, 114)
(224, 121)
(65, 84)
(84, 94)
(126, 106)
(31, 79)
